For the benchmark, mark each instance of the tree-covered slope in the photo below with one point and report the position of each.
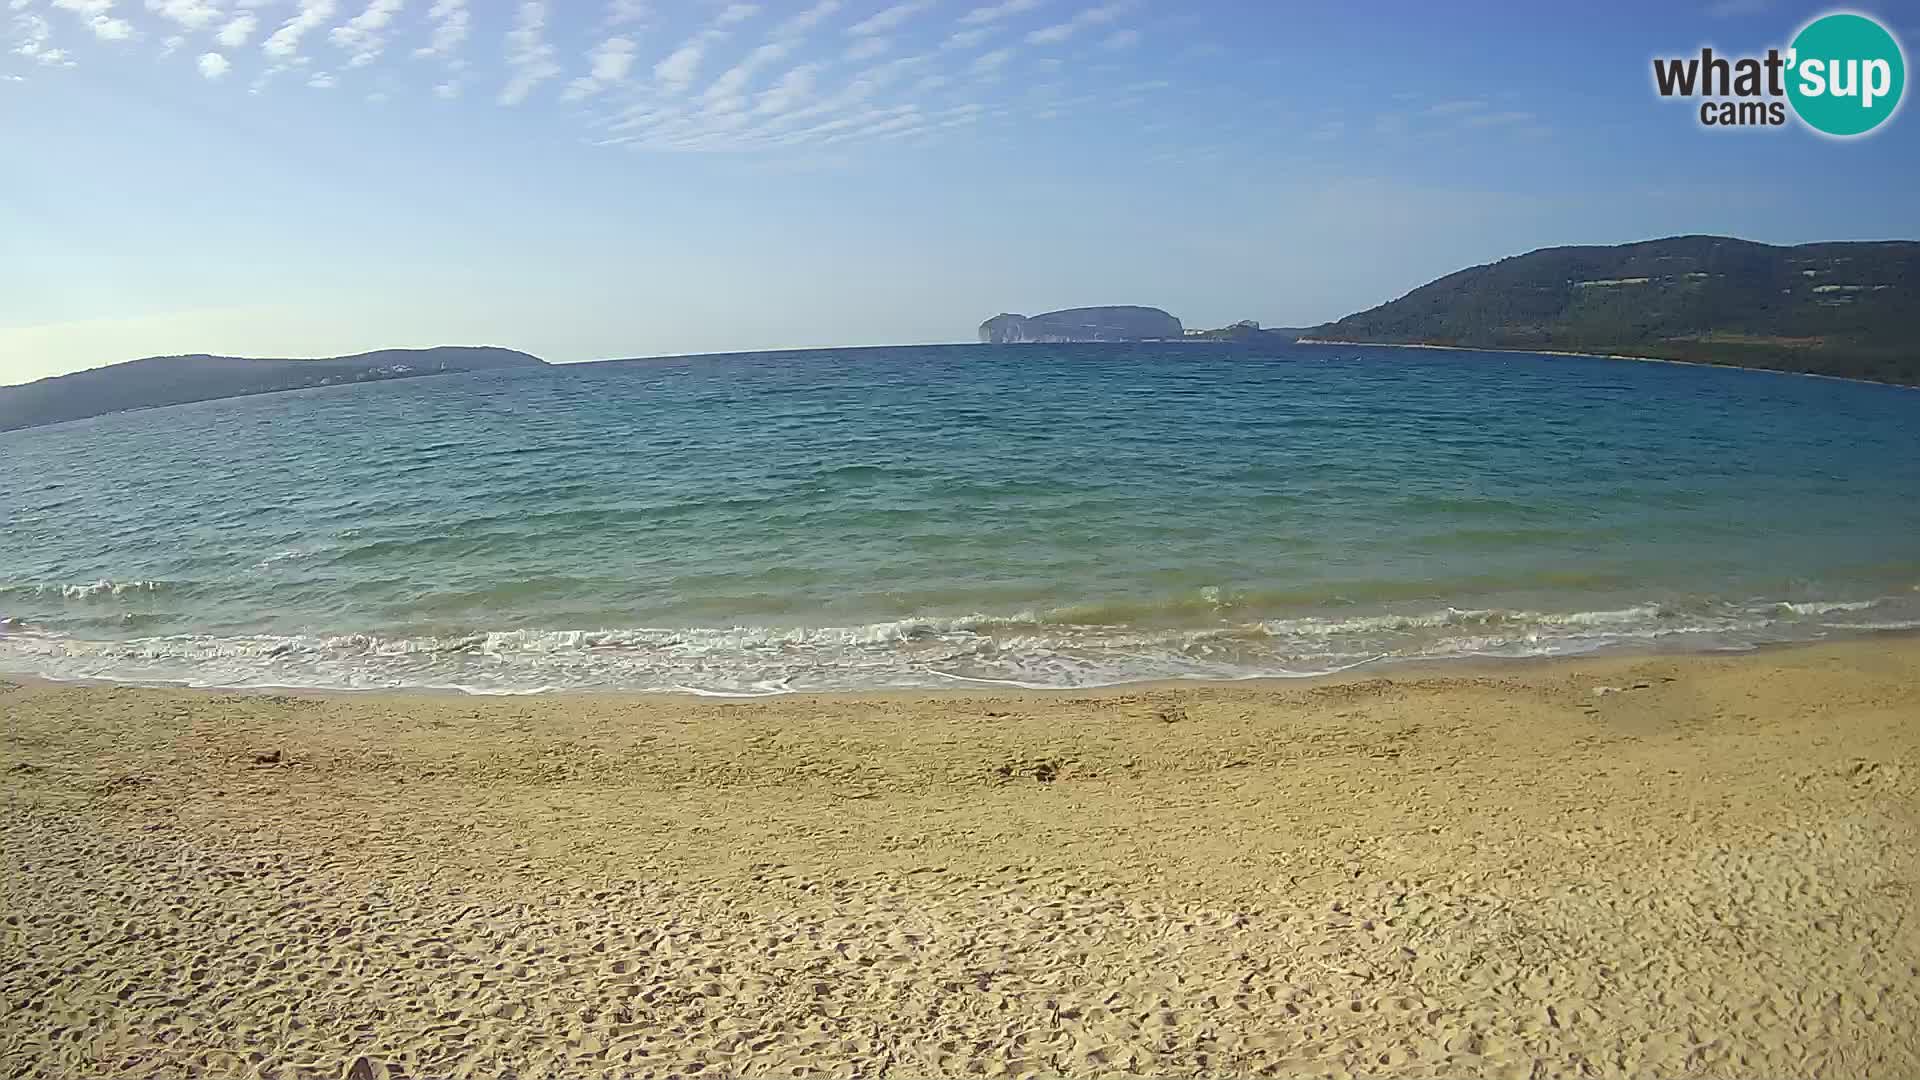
(1850, 309)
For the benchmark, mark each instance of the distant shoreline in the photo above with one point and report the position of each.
(1605, 356)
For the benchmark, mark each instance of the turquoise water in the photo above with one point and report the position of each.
(937, 517)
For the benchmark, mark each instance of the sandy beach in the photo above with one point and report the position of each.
(1655, 866)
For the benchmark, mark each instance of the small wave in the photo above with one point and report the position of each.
(288, 555)
(93, 589)
(1826, 607)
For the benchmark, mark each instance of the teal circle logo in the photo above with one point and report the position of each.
(1845, 74)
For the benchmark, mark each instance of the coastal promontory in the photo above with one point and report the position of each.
(176, 380)
(1846, 308)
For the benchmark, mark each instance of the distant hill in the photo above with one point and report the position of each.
(176, 380)
(1249, 332)
(1849, 309)
(1082, 324)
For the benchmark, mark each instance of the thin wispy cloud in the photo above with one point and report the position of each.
(678, 70)
(285, 42)
(991, 63)
(793, 88)
(364, 35)
(450, 22)
(996, 12)
(808, 19)
(1453, 119)
(866, 49)
(608, 65)
(33, 36)
(967, 39)
(1492, 119)
(529, 56)
(625, 12)
(729, 89)
(889, 19)
(751, 77)
(1058, 32)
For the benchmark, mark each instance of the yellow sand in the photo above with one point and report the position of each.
(1495, 872)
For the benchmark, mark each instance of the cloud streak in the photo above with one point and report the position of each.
(996, 12)
(285, 42)
(529, 56)
(235, 31)
(678, 70)
(608, 65)
(763, 77)
(889, 19)
(363, 36)
(808, 19)
(1059, 32)
(450, 21)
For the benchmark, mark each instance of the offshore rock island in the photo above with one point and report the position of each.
(1125, 323)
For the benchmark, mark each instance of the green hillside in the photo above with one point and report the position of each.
(1849, 309)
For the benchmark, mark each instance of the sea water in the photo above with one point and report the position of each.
(1045, 515)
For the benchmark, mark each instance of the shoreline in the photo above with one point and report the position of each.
(1703, 865)
(1383, 667)
(1605, 356)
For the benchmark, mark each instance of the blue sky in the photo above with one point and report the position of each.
(587, 179)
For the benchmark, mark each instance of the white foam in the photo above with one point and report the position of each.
(104, 587)
(1827, 607)
(1021, 650)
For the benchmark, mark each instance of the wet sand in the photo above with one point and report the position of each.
(1698, 866)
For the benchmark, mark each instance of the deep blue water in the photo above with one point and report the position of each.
(1046, 515)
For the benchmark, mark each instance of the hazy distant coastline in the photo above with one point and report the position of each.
(1839, 310)
(156, 381)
